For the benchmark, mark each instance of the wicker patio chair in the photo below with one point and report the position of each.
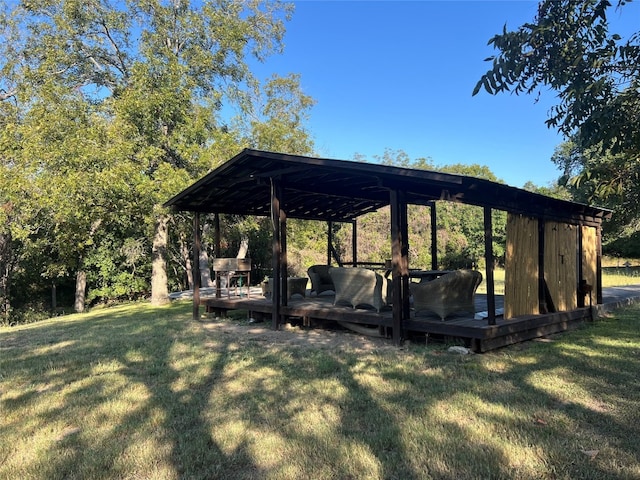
(360, 286)
(320, 279)
(449, 294)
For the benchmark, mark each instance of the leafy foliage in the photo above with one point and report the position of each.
(568, 47)
(460, 228)
(583, 174)
(109, 108)
(596, 73)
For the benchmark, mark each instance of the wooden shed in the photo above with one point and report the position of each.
(553, 249)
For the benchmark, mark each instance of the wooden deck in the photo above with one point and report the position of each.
(475, 333)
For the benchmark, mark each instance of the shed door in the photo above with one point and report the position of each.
(560, 264)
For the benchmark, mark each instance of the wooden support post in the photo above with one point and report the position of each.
(276, 192)
(579, 268)
(329, 241)
(354, 243)
(195, 270)
(434, 236)
(399, 263)
(488, 258)
(284, 289)
(406, 293)
(599, 265)
(216, 252)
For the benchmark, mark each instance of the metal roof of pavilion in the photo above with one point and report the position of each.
(338, 190)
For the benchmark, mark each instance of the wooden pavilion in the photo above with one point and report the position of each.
(553, 252)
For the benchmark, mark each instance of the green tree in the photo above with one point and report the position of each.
(581, 178)
(400, 158)
(557, 190)
(72, 184)
(159, 70)
(15, 209)
(460, 228)
(569, 48)
(277, 122)
(283, 112)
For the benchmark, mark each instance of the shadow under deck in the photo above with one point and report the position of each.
(476, 333)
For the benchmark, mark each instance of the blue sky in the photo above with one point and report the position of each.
(399, 75)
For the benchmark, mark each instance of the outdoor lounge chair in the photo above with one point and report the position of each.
(320, 279)
(360, 286)
(449, 294)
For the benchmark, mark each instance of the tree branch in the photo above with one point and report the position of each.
(4, 95)
(119, 55)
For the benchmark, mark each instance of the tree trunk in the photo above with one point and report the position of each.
(54, 297)
(159, 283)
(81, 287)
(186, 260)
(81, 275)
(205, 268)
(5, 276)
(244, 247)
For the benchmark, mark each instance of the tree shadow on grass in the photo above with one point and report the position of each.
(150, 394)
(588, 408)
(111, 391)
(588, 417)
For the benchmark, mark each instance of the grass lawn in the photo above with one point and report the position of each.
(618, 277)
(138, 392)
(611, 277)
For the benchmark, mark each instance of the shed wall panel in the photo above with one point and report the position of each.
(590, 259)
(521, 266)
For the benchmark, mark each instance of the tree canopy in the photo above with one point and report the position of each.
(109, 108)
(571, 49)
